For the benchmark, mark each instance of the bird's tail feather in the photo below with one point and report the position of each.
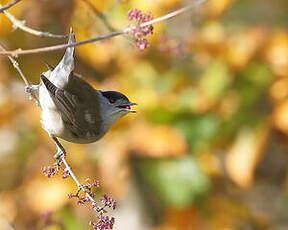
(60, 75)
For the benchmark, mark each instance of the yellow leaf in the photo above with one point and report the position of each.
(244, 154)
(242, 46)
(280, 117)
(277, 53)
(157, 140)
(100, 5)
(279, 89)
(42, 196)
(216, 7)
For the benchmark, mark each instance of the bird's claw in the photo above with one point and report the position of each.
(31, 88)
(58, 156)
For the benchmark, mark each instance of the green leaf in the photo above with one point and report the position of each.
(177, 182)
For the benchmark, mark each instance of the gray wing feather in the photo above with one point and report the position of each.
(73, 107)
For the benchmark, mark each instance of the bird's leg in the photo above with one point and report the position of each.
(60, 149)
(31, 89)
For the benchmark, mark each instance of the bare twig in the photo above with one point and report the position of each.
(100, 15)
(102, 37)
(26, 82)
(80, 186)
(16, 66)
(9, 5)
(21, 25)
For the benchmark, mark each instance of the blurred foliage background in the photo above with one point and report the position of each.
(207, 149)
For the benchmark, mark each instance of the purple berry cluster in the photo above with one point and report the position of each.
(140, 33)
(89, 189)
(104, 222)
(50, 171)
(108, 202)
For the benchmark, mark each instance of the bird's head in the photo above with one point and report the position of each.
(115, 105)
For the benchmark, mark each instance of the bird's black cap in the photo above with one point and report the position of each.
(113, 96)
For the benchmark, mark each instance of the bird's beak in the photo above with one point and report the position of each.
(127, 107)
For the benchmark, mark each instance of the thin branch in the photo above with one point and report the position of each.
(18, 52)
(100, 15)
(9, 5)
(26, 82)
(16, 66)
(80, 186)
(21, 25)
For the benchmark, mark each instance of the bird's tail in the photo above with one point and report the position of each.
(60, 75)
(68, 58)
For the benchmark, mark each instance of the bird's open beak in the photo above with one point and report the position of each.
(127, 107)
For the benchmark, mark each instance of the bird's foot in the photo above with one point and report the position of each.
(60, 153)
(31, 88)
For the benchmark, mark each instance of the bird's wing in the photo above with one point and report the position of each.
(80, 114)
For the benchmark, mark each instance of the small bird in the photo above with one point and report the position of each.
(72, 109)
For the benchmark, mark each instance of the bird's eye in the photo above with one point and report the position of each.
(112, 100)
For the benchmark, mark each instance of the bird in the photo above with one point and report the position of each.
(71, 109)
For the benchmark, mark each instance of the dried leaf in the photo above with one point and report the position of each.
(245, 153)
